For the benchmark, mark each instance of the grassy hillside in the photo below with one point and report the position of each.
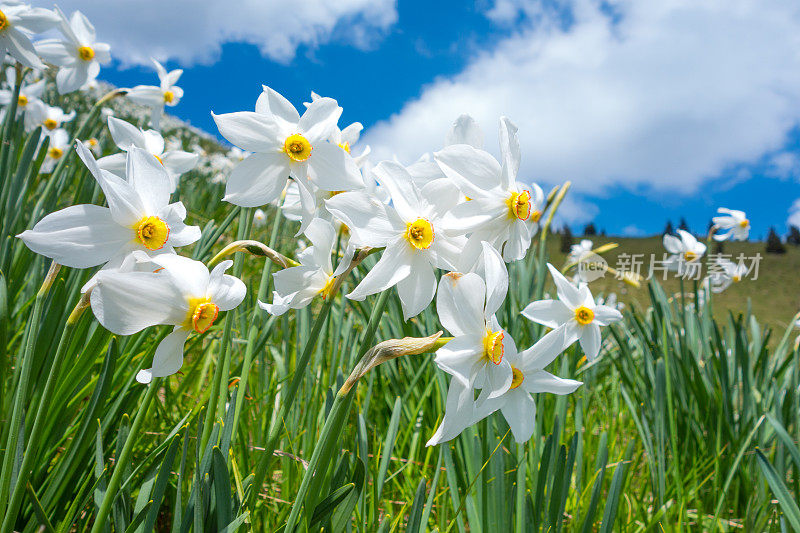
(774, 297)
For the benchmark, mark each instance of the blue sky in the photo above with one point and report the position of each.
(654, 110)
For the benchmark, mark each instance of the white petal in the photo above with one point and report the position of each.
(146, 95)
(125, 134)
(590, 341)
(190, 278)
(459, 413)
(550, 313)
(365, 216)
(257, 180)
(542, 381)
(114, 163)
(78, 236)
(396, 179)
(149, 179)
(332, 169)
(520, 413)
(545, 350)
(168, 358)
(72, 78)
(272, 102)
(225, 291)
(567, 292)
(465, 131)
(460, 303)
(417, 290)
(179, 162)
(604, 315)
(474, 171)
(125, 303)
(509, 148)
(462, 357)
(250, 131)
(125, 204)
(393, 266)
(319, 119)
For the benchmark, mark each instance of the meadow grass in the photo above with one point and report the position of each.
(687, 421)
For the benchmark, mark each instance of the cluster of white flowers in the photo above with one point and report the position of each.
(459, 210)
(142, 281)
(686, 251)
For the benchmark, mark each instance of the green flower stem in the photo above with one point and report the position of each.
(124, 458)
(255, 327)
(219, 390)
(26, 362)
(335, 421)
(41, 416)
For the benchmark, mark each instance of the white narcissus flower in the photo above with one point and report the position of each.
(138, 217)
(478, 354)
(78, 57)
(28, 93)
(296, 287)
(285, 144)
(59, 144)
(516, 404)
(50, 118)
(156, 97)
(179, 292)
(410, 229)
(500, 210)
(17, 23)
(126, 135)
(259, 218)
(578, 251)
(685, 250)
(733, 224)
(725, 273)
(576, 312)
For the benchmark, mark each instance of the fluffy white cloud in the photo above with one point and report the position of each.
(662, 94)
(193, 30)
(794, 214)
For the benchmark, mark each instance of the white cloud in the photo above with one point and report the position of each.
(191, 31)
(794, 214)
(632, 230)
(665, 94)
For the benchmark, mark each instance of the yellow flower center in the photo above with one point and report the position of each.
(169, 96)
(517, 378)
(689, 256)
(55, 153)
(744, 223)
(152, 232)
(326, 290)
(22, 100)
(519, 205)
(3, 21)
(584, 315)
(93, 142)
(345, 146)
(419, 234)
(737, 278)
(86, 53)
(493, 346)
(50, 124)
(536, 215)
(202, 314)
(297, 147)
